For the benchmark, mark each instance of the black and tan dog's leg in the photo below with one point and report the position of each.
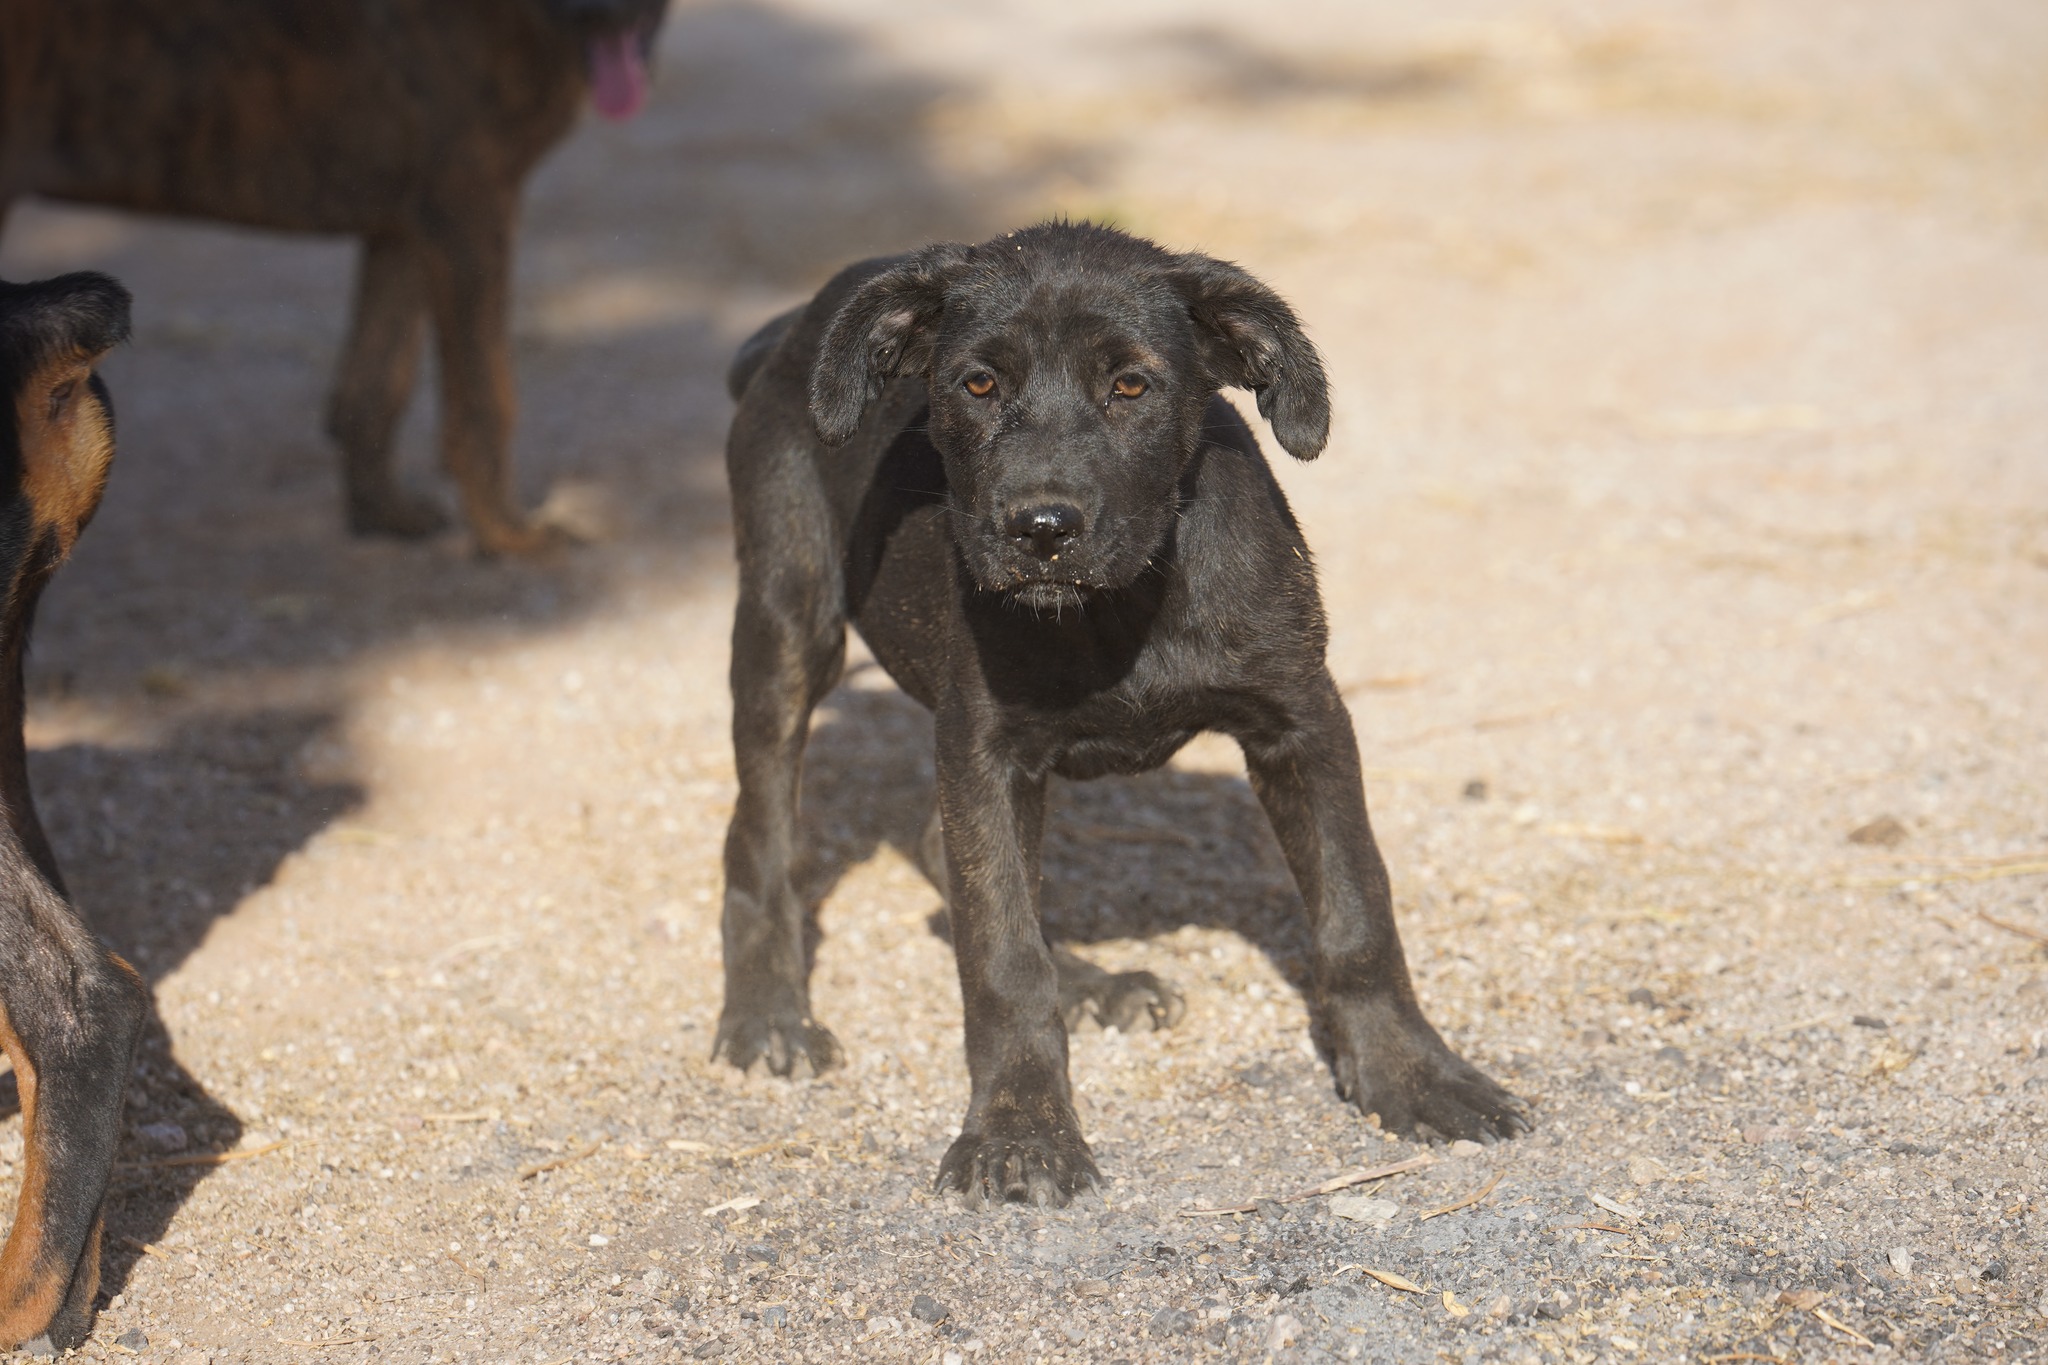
(468, 265)
(1021, 1140)
(1388, 1058)
(378, 364)
(70, 1019)
(788, 645)
(1118, 1000)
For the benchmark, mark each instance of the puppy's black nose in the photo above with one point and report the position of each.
(1044, 530)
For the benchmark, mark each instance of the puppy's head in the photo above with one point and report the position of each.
(1069, 369)
(57, 435)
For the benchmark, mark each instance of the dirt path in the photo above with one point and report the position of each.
(1688, 509)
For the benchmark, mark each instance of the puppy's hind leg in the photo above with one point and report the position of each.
(788, 645)
(1123, 1001)
(378, 365)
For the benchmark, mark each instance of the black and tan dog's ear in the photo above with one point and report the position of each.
(1252, 340)
(884, 329)
(54, 335)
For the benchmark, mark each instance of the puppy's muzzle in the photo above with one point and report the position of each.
(1044, 531)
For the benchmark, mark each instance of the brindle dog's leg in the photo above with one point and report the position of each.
(788, 645)
(1021, 1139)
(1388, 1058)
(1118, 1000)
(378, 365)
(468, 263)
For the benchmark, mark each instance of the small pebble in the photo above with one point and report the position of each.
(1172, 1322)
(1466, 1147)
(1282, 1331)
(925, 1308)
(40, 1348)
(1475, 790)
(1091, 1289)
(1885, 832)
(763, 1252)
(132, 1340)
(775, 1315)
(164, 1137)
(1364, 1208)
(1902, 1260)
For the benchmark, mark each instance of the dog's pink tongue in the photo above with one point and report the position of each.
(618, 76)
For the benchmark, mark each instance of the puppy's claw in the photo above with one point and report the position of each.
(795, 1047)
(1043, 1170)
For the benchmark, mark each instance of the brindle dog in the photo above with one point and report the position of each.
(1009, 467)
(69, 1010)
(411, 124)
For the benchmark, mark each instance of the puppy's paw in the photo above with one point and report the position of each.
(1397, 1067)
(1006, 1161)
(785, 1042)
(1121, 1000)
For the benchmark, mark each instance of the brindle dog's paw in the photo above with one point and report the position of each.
(1008, 1162)
(403, 516)
(787, 1042)
(1419, 1087)
(1118, 1000)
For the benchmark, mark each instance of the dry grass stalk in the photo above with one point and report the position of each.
(1467, 1202)
(200, 1158)
(1385, 1277)
(2022, 930)
(528, 1172)
(1344, 1180)
(1830, 1320)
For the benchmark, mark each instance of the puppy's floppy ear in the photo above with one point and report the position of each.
(883, 329)
(1250, 339)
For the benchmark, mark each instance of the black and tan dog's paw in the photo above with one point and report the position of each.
(1007, 1161)
(1118, 1000)
(1403, 1072)
(786, 1042)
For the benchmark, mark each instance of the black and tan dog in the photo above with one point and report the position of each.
(411, 124)
(69, 1010)
(1009, 466)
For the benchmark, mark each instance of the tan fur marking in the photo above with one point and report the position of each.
(64, 460)
(30, 1291)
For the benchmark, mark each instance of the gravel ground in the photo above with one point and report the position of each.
(1685, 534)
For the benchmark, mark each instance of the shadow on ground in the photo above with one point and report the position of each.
(776, 150)
(1124, 858)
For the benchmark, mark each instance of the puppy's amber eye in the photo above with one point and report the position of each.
(981, 383)
(1130, 386)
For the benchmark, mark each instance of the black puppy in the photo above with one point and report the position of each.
(69, 1010)
(1009, 466)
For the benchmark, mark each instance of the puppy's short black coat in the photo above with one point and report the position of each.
(1008, 465)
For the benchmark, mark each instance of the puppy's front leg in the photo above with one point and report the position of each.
(1020, 1140)
(1388, 1058)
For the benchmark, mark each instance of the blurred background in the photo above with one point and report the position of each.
(1686, 514)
